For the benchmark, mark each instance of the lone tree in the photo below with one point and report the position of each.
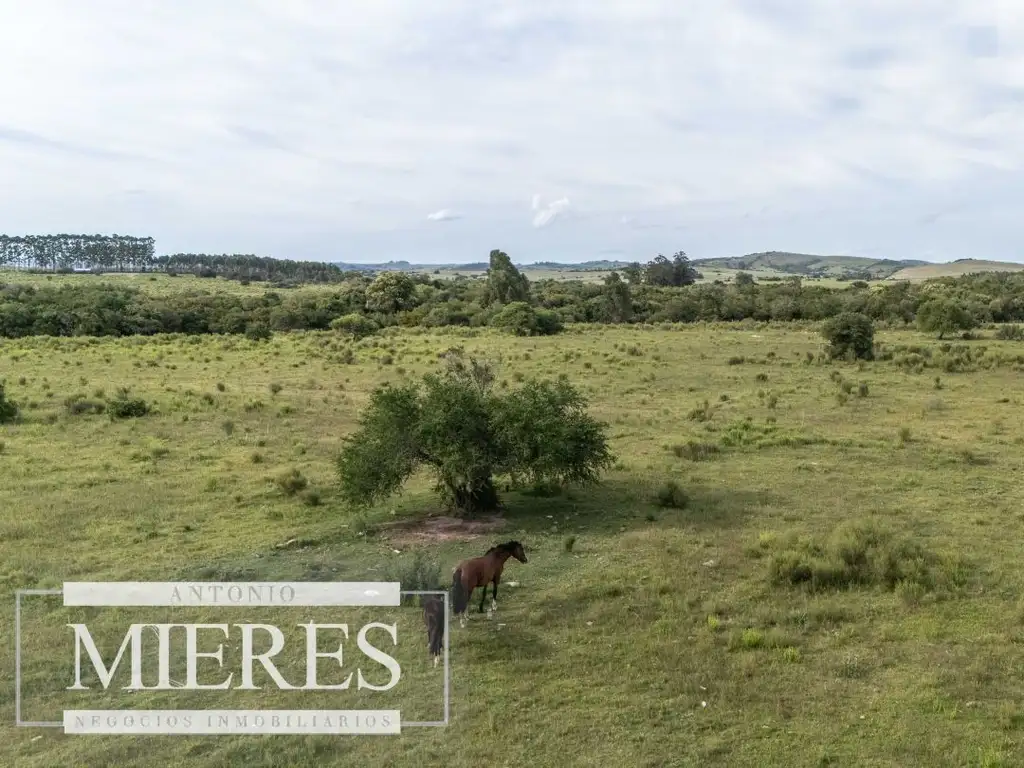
(455, 424)
(943, 315)
(505, 283)
(850, 333)
(678, 272)
(620, 300)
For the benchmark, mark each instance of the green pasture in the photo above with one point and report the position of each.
(834, 579)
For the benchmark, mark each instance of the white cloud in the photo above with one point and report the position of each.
(547, 214)
(443, 215)
(235, 128)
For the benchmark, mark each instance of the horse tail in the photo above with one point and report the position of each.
(460, 597)
(433, 615)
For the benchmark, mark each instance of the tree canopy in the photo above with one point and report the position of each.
(850, 334)
(941, 315)
(505, 283)
(467, 434)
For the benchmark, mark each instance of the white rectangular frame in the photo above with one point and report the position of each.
(60, 724)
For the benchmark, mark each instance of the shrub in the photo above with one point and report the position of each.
(258, 331)
(549, 322)
(291, 482)
(416, 574)
(671, 495)
(850, 334)
(1010, 333)
(124, 407)
(355, 325)
(523, 320)
(77, 405)
(695, 451)
(863, 554)
(8, 408)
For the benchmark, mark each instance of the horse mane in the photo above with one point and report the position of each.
(508, 546)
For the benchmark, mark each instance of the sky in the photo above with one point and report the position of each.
(562, 130)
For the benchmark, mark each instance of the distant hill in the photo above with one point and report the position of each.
(955, 269)
(812, 265)
(391, 266)
(481, 266)
(761, 265)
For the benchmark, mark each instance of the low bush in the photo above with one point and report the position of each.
(862, 554)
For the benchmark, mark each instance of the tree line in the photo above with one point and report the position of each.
(125, 253)
(64, 253)
(361, 304)
(249, 268)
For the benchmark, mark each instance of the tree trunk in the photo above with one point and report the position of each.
(472, 498)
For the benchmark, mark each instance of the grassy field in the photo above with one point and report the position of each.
(638, 634)
(955, 269)
(153, 284)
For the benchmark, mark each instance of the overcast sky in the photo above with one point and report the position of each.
(436, 130)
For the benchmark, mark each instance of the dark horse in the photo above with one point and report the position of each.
(433, 615)
(479, 572)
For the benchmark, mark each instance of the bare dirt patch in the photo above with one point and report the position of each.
(442, 528)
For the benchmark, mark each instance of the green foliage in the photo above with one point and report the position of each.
(505, 283)
(743, 279)
(863, 554)
(678, 272)
(355, 325)
(419, 573)
(523, 320)
(671, 495)
(620, 300)
(943, 315)
(78, 405)
(850, 334)
(63, 252)
(467, 434)
(123, 406)
(258, 331)
(8, 408)
(633, 273)
(549, 322)
(291, 481)
(86, 306)
(390, 292)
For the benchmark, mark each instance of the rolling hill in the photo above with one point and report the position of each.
(955, 269)
(764, 264)
(812, 265)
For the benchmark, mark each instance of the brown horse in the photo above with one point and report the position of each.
(479, 572)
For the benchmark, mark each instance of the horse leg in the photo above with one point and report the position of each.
(483, 596)
(462, 616)
(494, 592)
